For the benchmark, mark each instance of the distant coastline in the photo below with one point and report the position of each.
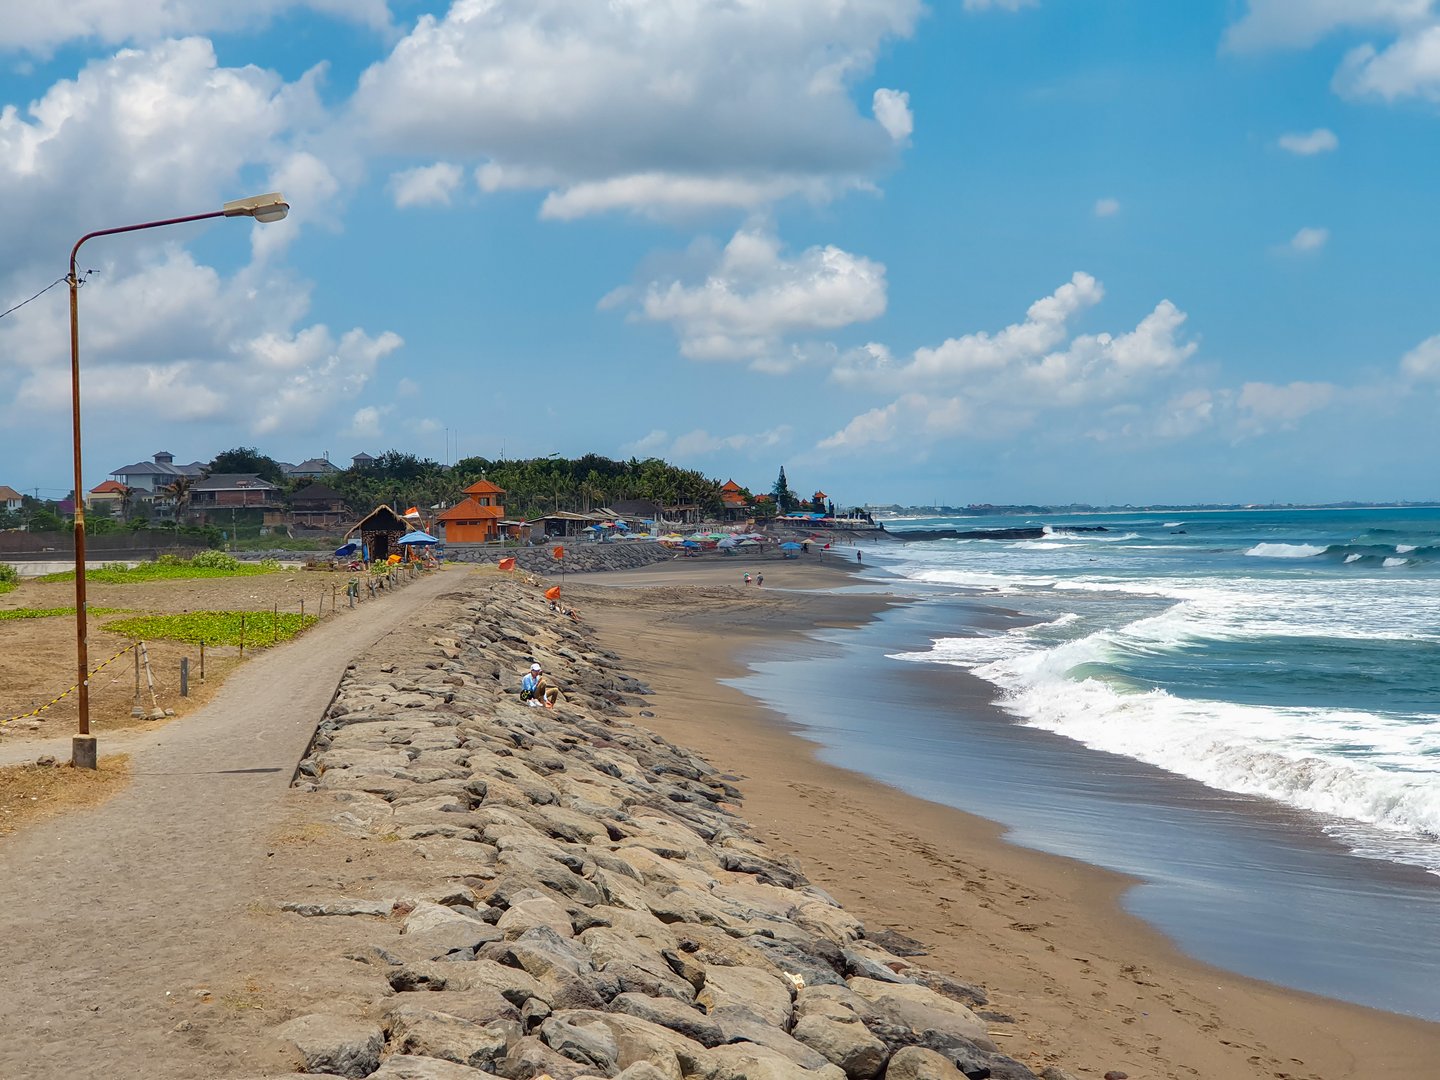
(893, 510)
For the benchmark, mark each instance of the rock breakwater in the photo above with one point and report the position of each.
(587, 900)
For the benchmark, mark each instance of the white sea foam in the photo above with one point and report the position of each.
(1404, 549)
(1172, 524)
(1297, 756)
(1393, 562)
(1284, 551)
(1353, 557)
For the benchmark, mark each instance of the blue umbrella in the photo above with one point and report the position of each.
(417, 537)
(791, 546)
(348, 549)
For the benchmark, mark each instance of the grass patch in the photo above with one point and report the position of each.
(52, 612)
(31, 792)
(120, 574)
(259, 628)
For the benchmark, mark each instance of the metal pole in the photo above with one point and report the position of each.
(83, 754)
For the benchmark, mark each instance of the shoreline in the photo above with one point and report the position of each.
(1091, 987)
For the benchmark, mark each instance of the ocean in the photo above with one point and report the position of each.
(1239, 708)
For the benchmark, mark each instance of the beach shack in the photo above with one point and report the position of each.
(378, 531)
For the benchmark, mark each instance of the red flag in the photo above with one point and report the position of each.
(559, 552)
(552, 593)
(507, 564)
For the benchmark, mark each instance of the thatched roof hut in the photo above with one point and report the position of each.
(378, 530)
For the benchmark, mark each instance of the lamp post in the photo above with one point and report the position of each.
(271, 207)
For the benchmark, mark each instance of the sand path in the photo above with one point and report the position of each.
(114, 918)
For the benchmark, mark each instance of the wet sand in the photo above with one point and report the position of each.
(1086, 986)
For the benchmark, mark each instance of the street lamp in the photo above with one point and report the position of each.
(271, 207)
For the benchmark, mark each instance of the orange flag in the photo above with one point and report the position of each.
(507, 564)
(559, 552)
(552, 593)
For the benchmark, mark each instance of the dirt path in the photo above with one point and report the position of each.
(114, 918)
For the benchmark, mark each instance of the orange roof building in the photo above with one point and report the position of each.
(476, 518)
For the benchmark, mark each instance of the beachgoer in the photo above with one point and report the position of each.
(759, 580)
(747, 577)
(547, 691)
(530, 686)
(857, 556)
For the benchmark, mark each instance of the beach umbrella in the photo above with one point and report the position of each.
(690, 544)
(417, 537)
(747, 543)
(552, 593)
(790, 546)
(728, 542)
(348, 549)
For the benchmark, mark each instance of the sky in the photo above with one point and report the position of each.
(964, 251)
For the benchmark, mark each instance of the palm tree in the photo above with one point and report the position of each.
(178, 492)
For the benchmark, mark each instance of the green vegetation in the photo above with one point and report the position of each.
(52, 612)
(9, 577)
(253, 628)
(208, 564)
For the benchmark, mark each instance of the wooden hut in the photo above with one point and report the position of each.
(378, 531)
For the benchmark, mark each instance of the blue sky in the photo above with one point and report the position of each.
(971, 251)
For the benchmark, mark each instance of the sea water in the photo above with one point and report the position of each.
(1240, 708)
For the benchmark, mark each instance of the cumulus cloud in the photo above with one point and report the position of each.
(700, 443)
(755, 296)
(1309, 143)
(428, 185)
(656, 107)
(892, 109)
(178, 339)
(1271, 24)
(1423, 361)
(1107, 207)
(1409, 67)
(366, 423)
(41, 27)
(1309, 240)
(985, 383)
(166, 128)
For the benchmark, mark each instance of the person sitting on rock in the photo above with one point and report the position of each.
(529, 686)
(546, 690)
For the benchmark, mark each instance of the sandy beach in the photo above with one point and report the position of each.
(1084, 985)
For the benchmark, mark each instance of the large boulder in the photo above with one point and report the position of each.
(339, 1045)
(846, 1043)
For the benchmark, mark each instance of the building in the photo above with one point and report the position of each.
(314, 469)
(10, 499)
(318, 506)
(111, 494)
(476, 518)
(233, 490)
(361, 461)
(156, 474)
(733, 506)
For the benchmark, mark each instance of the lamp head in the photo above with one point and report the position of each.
(263, 208)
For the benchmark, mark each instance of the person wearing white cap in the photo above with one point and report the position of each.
(530, 687)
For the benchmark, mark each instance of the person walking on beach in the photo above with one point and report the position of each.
(759, 580)
(747, 577)
(857, 556)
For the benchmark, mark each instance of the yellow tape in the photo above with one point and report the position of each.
(67, 693)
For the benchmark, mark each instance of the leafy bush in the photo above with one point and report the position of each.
(215, 627)
(9, 577)
(216, 560)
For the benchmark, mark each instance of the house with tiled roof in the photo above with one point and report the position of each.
(10, 499)
(476, 518)
(111, 493)
(315, 468)
(227, 490)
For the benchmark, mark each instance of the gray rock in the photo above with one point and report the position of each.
(916, 1063)
(844, 1043)
(340, 1045)
(428, 1033)
(536, 911)
(670, 1013)
(310, 909)
(406, 1067)
(481, 1007)
(528, 1058)
(760, 991)
(751, 1061)
(741, 1025)
(589, 1043)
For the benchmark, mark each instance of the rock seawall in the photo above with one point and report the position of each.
(588, 901)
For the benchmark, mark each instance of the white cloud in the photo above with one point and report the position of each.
(1423, 361)
(1309, 143)
(1309, 240)
(366, 423)
(41, 26)
(163, 128)
(176, 339)
(1268, 404)
(755, 296)
(700, 443)
(1107, 207)
(1410, 67)
(984, 384)
(656, 106)
(892, 109)
(1002, 5)
(428, 185)
(1300, 23)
